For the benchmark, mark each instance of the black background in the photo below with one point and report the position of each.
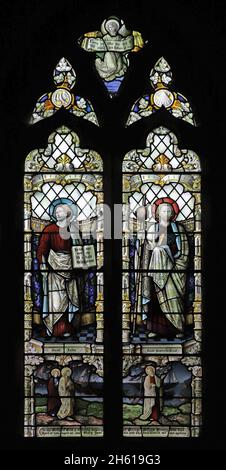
(34, 36)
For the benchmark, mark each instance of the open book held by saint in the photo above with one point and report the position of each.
(58, 260)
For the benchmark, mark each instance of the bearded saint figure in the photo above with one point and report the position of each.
(60, 290)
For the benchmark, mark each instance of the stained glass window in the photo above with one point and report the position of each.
(161, 289)
(162, 97)
(112, 45)
(63, 289)
(64, 78)
(172, 77)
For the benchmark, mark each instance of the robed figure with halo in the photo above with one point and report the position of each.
(162, 258)
(60, 282)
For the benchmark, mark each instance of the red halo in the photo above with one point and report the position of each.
(167, 200)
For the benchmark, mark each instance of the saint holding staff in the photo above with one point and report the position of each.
(163, 259)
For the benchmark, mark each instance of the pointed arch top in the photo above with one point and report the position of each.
(63, 153)
(162, 97)
(161, 153)
(64, 78)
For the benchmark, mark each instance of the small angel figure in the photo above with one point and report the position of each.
(112, 45)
